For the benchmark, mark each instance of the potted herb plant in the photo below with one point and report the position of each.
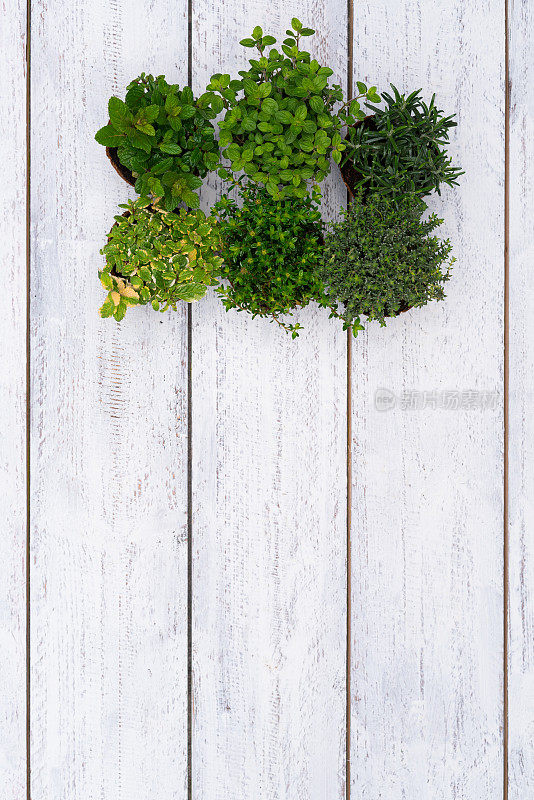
(280, 126)
(161, 140)
(399, 148)
(381, 258)
(158, 257)
(271, 250)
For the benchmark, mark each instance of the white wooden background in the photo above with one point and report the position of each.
(348, 611)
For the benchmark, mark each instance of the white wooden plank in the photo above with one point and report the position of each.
(269, 516)
(109, 437)
(13, 402)
(427, 600)
(521, 424)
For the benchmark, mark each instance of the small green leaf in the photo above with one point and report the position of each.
(187, 112)
(170, 147)
(120, 311)
(316, 103)
(145, 127)
(107, 308)
(109, 137)
(192, 199)
(119, 114)
(284, 117)
(265, 89)
(139, 140)
(191, 292)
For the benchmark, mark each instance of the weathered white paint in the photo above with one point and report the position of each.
(109, 437)
(108, 455)
(427, 529)
(13, 402)
(269, 496)
(521, 422)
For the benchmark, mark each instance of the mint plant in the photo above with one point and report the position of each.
(164, 136)
(281, 126)
(158, 257)
(381, 259)
(271, 251)
(400, 148)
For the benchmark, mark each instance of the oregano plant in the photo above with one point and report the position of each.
(282, 120)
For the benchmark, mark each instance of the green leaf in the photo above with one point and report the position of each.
(172, 105)
(248, 124)
(217, 104)
(187, 95)
(296, 24)
(171, 148)
(156, 187)
(151, 113)
(119, 114)
(257, 33)
(316, 103)
(250, 87)
(145, 127)
(248, 42)
(120, 311)
(324, 121)
(192, 199)
(268, 40)
(284, 117)
(362, 88)
(162, 166)
(109, 137)
(319, 83)
(307, 32)
(106, 280)
(107, 308)
(187, 112)
(139, 140)
(191, 291)
(269, 106)
(135, 97)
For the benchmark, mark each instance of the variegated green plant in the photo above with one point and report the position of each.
(158, 257)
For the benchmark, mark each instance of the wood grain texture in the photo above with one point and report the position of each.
(13, 402)
(521, 424)
(269, 495)
(427, 600)
(109, 437)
